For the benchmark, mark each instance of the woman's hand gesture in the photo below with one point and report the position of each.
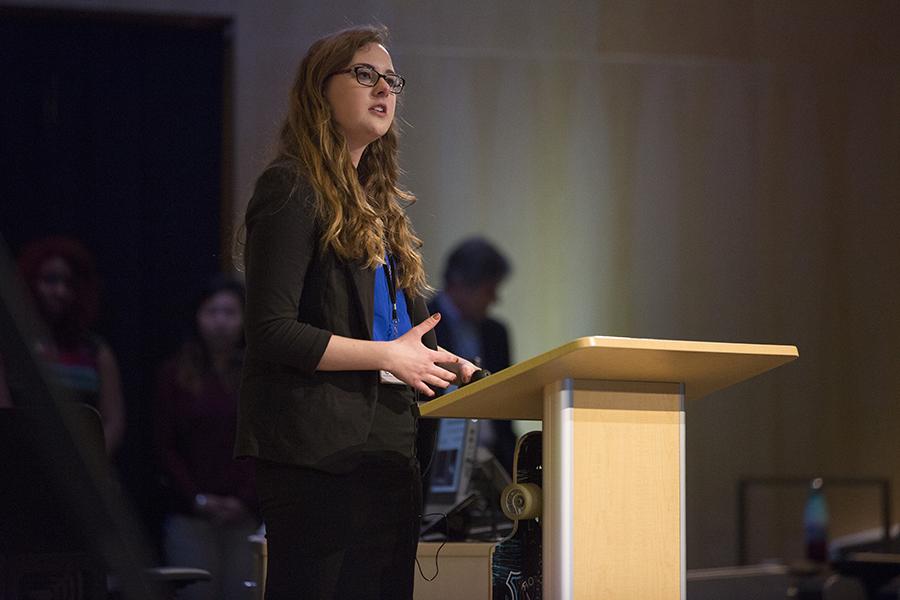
(416, 365)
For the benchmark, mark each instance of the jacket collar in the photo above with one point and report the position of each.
(364, 282)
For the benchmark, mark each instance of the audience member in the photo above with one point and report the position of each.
(213, 505)
(62, 278)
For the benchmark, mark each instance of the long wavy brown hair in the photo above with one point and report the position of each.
(362, 210)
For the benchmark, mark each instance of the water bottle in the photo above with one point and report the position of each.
(815, 523)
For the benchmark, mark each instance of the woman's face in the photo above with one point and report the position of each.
(55, 288)
(363, 114)
(220, 321)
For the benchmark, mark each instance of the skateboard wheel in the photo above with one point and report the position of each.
(521, 501)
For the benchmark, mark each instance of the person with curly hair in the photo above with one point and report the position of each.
(62, 278)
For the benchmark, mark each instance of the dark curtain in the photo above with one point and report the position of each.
(112, 132)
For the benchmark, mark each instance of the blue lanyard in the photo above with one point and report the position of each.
(390, 274)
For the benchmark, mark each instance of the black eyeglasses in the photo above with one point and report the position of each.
(367, 75)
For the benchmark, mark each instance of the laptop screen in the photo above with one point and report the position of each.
(456, 444)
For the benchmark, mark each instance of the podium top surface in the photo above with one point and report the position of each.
(702, 367)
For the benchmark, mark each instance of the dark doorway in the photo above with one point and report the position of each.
(113, 130)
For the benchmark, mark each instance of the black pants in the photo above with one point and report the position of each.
(350, 535)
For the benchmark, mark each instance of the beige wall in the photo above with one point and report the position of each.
(716, 170)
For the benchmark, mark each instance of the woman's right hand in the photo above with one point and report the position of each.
(414, 363)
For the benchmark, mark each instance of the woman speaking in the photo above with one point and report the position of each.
(339, 342)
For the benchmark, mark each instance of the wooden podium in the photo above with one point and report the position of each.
(613, 452)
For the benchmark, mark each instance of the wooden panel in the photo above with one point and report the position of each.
(624, 445)
(463, 571)
(703, 367)
(627, 528)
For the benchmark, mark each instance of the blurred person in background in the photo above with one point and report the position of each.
(213, 506)
(474, 271)
(61, 275)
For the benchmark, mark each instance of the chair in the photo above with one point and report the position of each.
(56, 494)
(44, 549)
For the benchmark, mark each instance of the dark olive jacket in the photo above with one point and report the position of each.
(298, 295)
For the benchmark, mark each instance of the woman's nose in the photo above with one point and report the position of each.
(382, 87)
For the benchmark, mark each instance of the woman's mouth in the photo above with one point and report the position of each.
(379, 109)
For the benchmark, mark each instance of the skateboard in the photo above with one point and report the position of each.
(516, 569)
